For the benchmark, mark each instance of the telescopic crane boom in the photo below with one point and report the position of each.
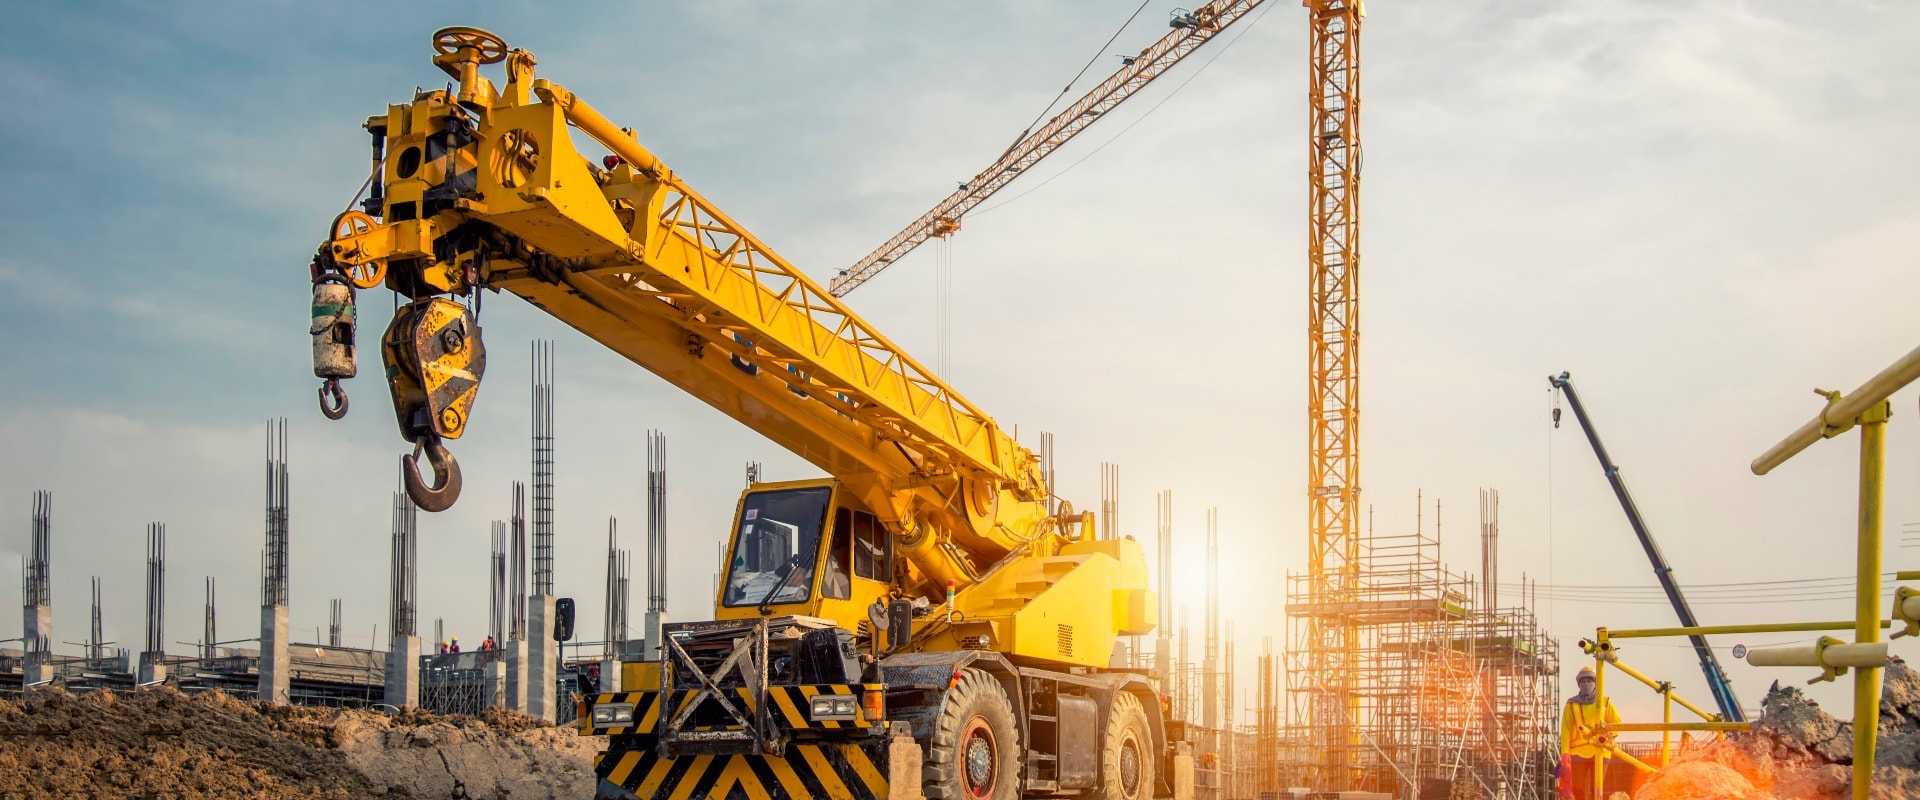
(1717, 682)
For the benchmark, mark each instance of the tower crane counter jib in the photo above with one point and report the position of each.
(926, 576)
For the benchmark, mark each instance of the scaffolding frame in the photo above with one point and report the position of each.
(1448, 691)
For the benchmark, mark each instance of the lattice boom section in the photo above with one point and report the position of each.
(714, 277)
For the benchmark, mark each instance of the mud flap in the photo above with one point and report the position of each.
(903, 766)
(1183, 771)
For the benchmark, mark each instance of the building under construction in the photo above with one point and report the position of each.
(1452, 690)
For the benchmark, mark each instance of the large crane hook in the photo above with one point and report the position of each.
(446, 474)
(435, 360)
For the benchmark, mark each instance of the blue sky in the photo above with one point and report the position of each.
(1701, 209)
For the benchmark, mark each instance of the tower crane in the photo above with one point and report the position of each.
(1190, 30)
(1717, 683)
(1329, 697)
(920, 616)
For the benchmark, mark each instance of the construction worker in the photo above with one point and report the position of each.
(1581, 752)
(455, 646)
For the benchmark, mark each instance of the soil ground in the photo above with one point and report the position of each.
(1799, 752)
(163, 744)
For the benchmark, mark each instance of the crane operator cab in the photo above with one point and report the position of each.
(799, 549)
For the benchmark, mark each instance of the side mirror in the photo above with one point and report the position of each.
(563, 619)
(899, 624)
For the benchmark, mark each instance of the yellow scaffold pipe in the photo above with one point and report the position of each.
(1866, 408)
(1833, 656)
(1712, 630)
(1842, 412)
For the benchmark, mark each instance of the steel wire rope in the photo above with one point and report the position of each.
(1156, 107)
(1553, 408)
(1076, 79)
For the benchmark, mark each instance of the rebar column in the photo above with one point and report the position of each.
(276, 663)
(656, 615)
(516, 644)
(153, 658)
(497, 584)
(403, 653)
(1210, 667)
(1162, 655)
(37, 611)
(543, 654)
(96, 632)
(209, 634)
(542, 467)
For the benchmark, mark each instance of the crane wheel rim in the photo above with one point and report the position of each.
(491, 49)
(1130, 768)
(978, 752)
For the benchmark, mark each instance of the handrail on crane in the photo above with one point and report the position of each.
(1717, 683)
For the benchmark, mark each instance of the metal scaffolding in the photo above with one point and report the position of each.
(1450, 688)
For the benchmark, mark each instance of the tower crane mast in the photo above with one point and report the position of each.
(1331, 700)
(1191, 29)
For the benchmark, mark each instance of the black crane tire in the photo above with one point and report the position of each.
(1127, 756)
(974, 753)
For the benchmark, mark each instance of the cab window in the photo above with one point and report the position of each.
(776, 546)
(861, 534)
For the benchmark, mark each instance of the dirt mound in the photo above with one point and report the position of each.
(1799, 752)
(163, 744)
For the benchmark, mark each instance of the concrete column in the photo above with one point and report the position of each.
(403, 672)
(543, 658)
(275, 662)
(153, 668)
(516, 665)
(654, 621)
(37, 655)
(496, 684)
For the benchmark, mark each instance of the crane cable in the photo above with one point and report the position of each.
(1076, 79)
(1156, 107)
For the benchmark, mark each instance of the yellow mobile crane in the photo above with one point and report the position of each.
(920, 615)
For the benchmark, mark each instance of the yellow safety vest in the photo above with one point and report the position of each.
(1576, 727)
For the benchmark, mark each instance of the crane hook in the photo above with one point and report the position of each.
(446, 473)
(333, 399)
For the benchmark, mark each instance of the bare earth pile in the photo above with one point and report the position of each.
(1799, 752)
(163, 744)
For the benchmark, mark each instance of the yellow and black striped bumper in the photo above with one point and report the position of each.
(788, 708)
(806, 772)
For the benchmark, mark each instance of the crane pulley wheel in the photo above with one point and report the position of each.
(356, 223)
(488, 48)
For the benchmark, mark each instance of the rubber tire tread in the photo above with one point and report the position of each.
(1125, 711)
(977, 694)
